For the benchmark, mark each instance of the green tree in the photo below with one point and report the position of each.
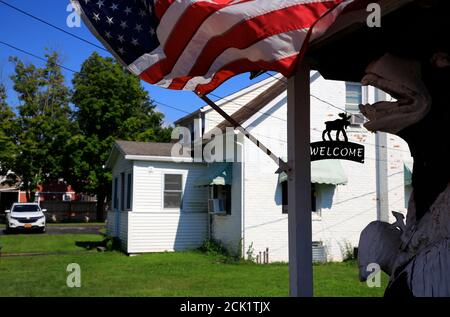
(44, 123)
(110, 104)
(7, 133)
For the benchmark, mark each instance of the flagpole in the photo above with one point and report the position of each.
(299, 184)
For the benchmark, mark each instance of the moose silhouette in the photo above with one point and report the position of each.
(338, 125)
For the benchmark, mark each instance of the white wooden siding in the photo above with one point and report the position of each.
(264, 224)
(165, 231)
(227, 228)
(124, 230)
(148, 190)
(235, 102)
(151, 227)
(120, 166)
(345, 209)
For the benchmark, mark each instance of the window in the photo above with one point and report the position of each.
(26, 208)
(284, 197)
(129, 190)
(122, 191)
(222, 192)
(173, 190)
(116, 196)
(353, 96)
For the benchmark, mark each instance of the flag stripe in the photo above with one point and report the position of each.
(266, 50)
(217, 46)
(298, 16)
(253, 28)
(231, 69)
(198, 44)
(243, 31)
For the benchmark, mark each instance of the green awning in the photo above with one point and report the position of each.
(324, 172)
(216, 174)
(407, 172)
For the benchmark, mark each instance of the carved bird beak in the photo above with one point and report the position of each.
(400, 78)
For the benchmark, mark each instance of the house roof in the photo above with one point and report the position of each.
(144, 148)
(255, 105)
(147, 151)
(229, 98)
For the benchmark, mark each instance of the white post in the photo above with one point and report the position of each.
(299, 186)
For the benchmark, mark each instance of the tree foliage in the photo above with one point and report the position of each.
(7, 133)
(56, 133)
(43, 124)
(110, 104)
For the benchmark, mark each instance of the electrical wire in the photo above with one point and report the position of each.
(173, 107)
(212, 94)
(51, 25)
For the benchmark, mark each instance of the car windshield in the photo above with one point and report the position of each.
(26, 208)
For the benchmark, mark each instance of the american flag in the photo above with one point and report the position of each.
(198, 44)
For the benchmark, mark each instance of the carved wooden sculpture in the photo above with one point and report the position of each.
(416, 256)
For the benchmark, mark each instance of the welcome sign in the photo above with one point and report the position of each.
(328, 150)
(336, 149)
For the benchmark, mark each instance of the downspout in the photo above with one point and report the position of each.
(209, 214)
(241, 144)
(381, 168)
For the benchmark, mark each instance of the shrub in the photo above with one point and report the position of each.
(347, 251)
(214, 247)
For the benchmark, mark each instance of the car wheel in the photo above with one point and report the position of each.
(42, 230)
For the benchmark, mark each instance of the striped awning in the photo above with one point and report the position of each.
(216, 174)
(324, 172)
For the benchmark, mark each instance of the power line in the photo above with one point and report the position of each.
(97, 46)
(51, 25)
(155, 101)
(179, 109)
(212, 94)
(34, 55)
(88, 42)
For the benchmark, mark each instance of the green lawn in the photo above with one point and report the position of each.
(160, 274)
(38, 243)
(69, 224)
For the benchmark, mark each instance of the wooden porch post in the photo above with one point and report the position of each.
(299, 185)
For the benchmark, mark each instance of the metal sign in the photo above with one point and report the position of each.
(337, 149)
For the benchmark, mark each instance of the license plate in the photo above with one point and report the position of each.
(27, 226)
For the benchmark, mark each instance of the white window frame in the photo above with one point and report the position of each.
(317, 215)
(115, 196)
(351, 104)
(164, 190)
(128, 208)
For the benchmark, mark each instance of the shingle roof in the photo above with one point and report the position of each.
(145, 148)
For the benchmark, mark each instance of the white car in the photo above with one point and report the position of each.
(25, 216)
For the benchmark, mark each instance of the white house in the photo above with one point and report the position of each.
(162, 205)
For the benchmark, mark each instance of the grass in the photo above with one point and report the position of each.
(158, 274)
(43, 243)
(69, 224)
(75, 224)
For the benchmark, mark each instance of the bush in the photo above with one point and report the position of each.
(112, 244)
(347, 250)
(214, 247)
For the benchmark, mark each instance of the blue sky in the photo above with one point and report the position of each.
(30, 35)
